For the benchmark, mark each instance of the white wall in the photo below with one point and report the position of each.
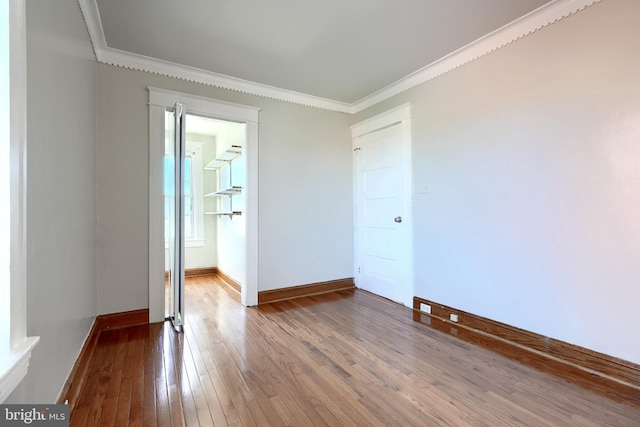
(206, 255)
(203, 252)
(305, 212)
(531, 157)
(306, 200)
(61, 201)
(232, 244)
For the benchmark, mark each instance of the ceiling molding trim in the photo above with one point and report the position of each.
(503, 36)
(528, 24)
(91, 14)
(156, 66)
(383, 120)
(119, 58)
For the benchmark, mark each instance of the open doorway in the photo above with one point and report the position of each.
(234, 213)
(214, 177)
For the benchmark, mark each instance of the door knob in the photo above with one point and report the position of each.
(398, 219)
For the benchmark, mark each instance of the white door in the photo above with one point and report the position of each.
(175, 212)
(383, 210)
(159, 101)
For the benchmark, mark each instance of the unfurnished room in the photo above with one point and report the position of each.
(305, 213)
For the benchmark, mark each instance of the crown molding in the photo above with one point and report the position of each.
(119, 58)
(527, 24)
(156, 66)
(91, 15)
(545, 15)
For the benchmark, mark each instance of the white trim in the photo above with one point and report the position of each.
(18, 126)
(194, 243)
(156, 222)
(197, 183)
(119, 58)
(5, 180)
(547, 14)
(159, 100)
(407, 154)
(507, 34)
(250, 297)
(400, 115)
(15, 362)
(200, 104)
(17, 366)
(189, 243)
(389, 117)
(91, 14)
(164, 68)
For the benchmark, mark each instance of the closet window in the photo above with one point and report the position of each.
(193, 195)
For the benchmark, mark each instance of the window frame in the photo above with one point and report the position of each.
(195, 152)
(197, 189)
(16, 351)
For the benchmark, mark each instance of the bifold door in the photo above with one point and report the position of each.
(175, 213)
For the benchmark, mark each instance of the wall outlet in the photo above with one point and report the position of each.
(425, 308)
(453, 318)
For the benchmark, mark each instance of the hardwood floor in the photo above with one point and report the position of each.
(341, 359)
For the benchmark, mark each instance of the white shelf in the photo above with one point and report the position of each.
(224, 158)
(224, 213)
(226, 192)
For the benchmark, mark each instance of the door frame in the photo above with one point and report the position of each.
(159, 100)
(401, 116)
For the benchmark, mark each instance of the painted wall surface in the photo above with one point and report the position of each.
(526, 169)
(61, 200)
(232, 244)
(207, 254)
(305, 207)
(306, 196)
(203, 251)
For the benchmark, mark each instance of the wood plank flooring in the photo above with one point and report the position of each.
(342, 359)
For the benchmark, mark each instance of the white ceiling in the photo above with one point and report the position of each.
(341, 50)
